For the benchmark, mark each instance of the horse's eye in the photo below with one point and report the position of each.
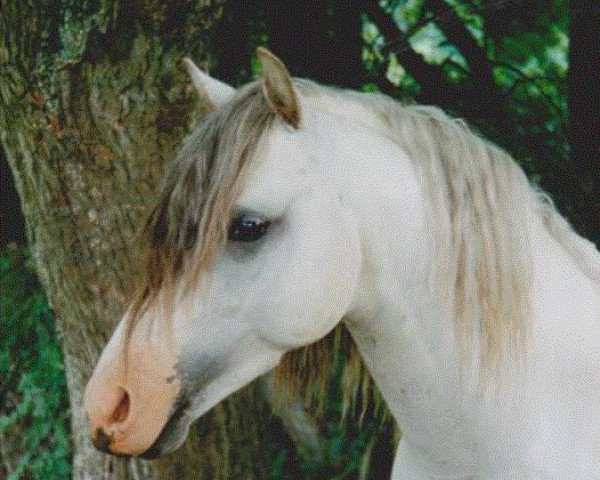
(247, 229)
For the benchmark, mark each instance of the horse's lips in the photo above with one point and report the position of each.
(167, 432)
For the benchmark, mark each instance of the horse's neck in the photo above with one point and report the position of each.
(404, 335)
(407, 340)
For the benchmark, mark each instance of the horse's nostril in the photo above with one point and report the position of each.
(101, 440)
(121, 411)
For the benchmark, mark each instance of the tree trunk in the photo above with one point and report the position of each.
(93, 102)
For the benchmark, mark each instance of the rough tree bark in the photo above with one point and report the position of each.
(93, 102)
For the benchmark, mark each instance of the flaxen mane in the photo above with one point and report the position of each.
(479, 202)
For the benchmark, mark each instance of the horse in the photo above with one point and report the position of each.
(294, 207)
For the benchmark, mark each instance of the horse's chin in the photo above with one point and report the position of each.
(175, 432)
(171, 438)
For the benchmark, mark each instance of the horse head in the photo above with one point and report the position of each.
(251, 254)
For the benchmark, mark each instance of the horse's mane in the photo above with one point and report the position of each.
(480, 204)
(480, 207)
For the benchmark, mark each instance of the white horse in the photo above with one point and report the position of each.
(293, 207)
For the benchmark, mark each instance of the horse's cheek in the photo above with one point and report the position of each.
(321, 283)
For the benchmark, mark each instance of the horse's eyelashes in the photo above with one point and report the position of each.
(247, 229)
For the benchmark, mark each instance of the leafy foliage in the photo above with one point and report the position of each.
(34, 433)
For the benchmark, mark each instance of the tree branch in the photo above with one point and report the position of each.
(434, 88)
(487, 100)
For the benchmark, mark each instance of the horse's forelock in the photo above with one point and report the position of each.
(188, 226)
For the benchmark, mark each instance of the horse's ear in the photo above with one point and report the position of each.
(216, 91)
(279, 88)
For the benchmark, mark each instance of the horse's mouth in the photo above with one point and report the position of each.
(175, 430)
(201, 391)
(168, 433)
